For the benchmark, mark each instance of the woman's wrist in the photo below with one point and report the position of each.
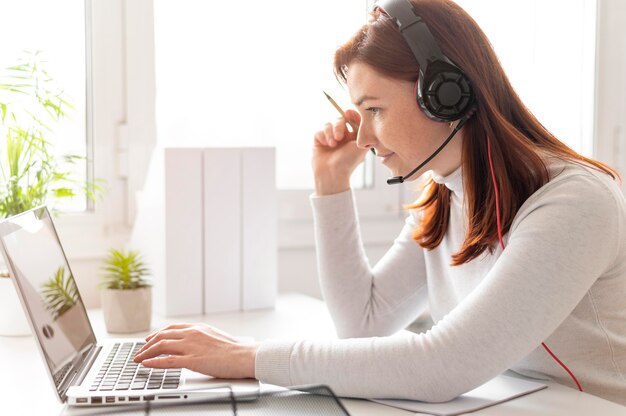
(330, 184)
(325, 191)
(249, 359)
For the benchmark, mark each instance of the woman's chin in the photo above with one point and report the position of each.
(393, 171)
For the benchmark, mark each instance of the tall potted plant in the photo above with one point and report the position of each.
(126, 293)
(31, 173)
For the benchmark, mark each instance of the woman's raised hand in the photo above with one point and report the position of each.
(335, 155)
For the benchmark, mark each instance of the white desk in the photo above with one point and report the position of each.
(295, 316)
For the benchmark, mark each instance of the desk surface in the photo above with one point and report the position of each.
(295, 316)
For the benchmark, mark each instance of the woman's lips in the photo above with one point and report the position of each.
(385, 157)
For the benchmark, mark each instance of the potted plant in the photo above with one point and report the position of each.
(31, 174)
(126, 294)
(61, 299)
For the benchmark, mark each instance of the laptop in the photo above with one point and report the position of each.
(82, 370)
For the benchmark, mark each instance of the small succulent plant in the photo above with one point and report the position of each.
(124, 270)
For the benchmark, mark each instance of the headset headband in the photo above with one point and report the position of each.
(413, 28)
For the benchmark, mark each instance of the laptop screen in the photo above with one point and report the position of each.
(36, 261)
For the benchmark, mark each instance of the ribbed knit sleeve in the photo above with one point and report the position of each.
(272, 362)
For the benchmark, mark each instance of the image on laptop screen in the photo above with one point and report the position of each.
(36, 260)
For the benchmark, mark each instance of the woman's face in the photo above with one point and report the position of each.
(393, 124)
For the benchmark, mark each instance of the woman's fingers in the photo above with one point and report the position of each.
(172, 326)
(320, 138)
(353, 117)
(339, 130)
(166, 346)
(161, 335)
(214, 331)
(328, 132)
(201, 348)
(181, 331)
(332, 133)
(171, 361)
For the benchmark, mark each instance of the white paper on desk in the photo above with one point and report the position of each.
(498, 390)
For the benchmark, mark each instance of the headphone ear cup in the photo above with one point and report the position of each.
(444, 93)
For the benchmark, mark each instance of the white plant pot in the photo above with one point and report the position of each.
(127, 311)
(12, 317)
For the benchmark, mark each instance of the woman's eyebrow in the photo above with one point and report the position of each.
(363, 99)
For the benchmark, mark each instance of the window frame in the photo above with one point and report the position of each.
(609, 137)
(106, 221)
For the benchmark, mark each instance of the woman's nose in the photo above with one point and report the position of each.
(364, 138)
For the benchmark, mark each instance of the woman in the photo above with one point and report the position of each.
(517, 243)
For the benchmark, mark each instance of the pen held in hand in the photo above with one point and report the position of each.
(355, 128)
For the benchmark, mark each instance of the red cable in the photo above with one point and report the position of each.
(563, 365)
(495, 187)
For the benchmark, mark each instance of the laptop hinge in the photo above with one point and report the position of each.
(77, 375)
(84, 369)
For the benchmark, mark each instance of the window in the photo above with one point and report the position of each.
(547, 49)
(255, 78)
(251, 74)
(85, 43)
(57, 30)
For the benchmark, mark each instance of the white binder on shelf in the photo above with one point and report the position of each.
(222, 230)
(259, 225)
(183, 232)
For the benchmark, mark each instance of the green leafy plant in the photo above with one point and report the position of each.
(31, 103)
(60, 293)
(124, 270)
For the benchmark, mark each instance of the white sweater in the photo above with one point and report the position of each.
(561, 279)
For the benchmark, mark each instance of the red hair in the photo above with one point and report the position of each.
(518, 139)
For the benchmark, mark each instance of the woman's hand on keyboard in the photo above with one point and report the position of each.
(200, 348)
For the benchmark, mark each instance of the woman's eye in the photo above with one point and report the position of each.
(373, 110)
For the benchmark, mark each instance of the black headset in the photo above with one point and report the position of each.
(444, 92)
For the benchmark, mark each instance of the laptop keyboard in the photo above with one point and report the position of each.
(120, 372)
